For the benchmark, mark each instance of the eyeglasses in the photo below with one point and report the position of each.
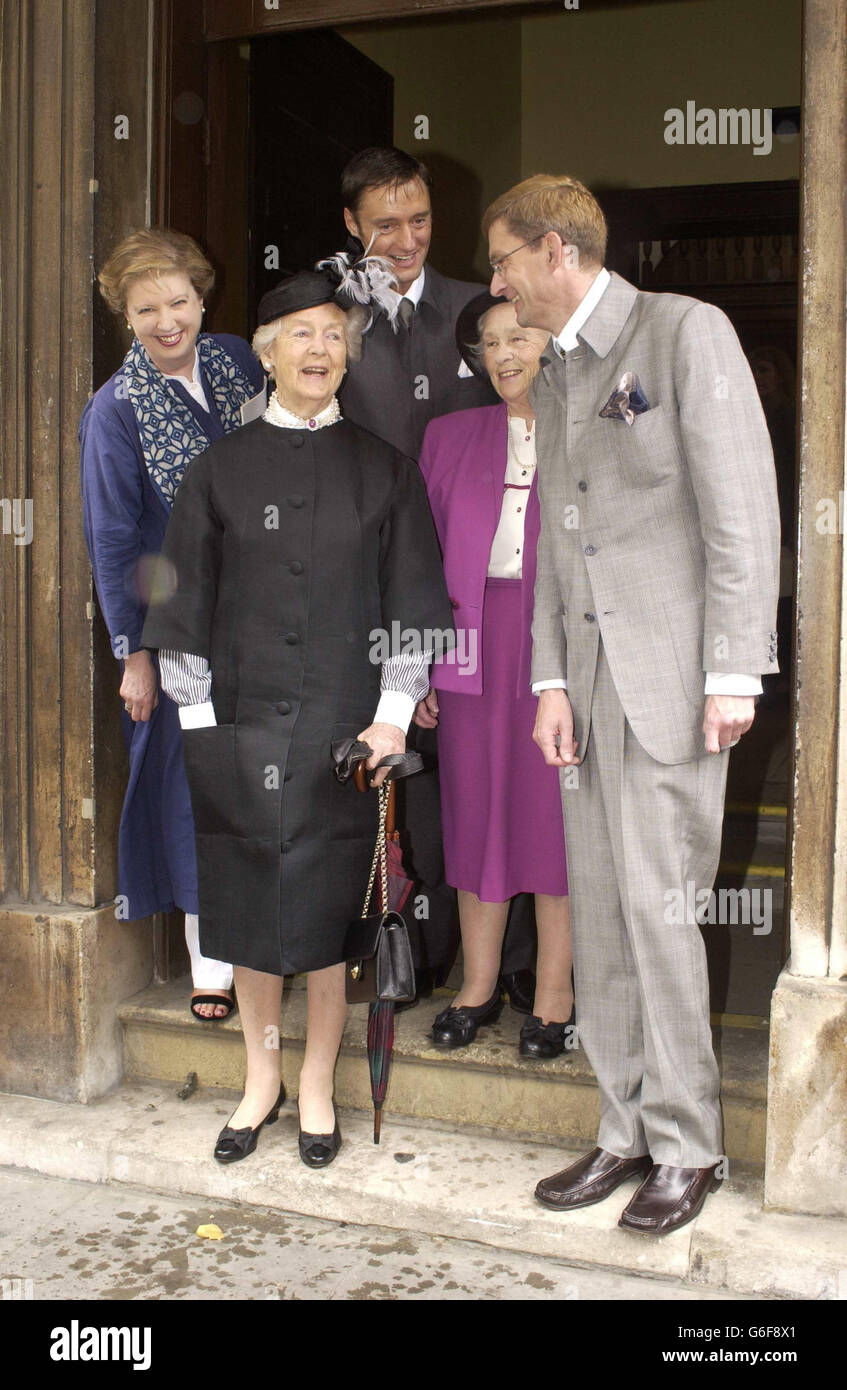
(496, 266)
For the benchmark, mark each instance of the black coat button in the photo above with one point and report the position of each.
(296, 567)
(583, 487)
(591, 550)
(295, 501)
(296, 441)
(287, 776)
(285, 846)
(589, 617)
(292, 639)
(283, 707)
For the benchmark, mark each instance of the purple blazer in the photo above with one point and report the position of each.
(463, 462)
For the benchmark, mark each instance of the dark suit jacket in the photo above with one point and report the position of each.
(405, 379)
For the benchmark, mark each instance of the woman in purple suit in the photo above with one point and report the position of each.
(501, 803)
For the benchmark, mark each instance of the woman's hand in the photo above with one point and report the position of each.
(383, 739)
(426, 712)
(139, 690)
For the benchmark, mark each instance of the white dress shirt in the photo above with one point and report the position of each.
(187, 678)
(506, 558)
(717, 682)
(194, 387)
(566, 341)
(416, 288)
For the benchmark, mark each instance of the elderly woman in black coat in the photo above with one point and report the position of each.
(291, 545)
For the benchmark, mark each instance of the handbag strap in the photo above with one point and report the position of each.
(380, 852)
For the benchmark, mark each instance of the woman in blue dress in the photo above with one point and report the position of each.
(176, 392)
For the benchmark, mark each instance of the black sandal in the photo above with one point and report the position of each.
(215, 999)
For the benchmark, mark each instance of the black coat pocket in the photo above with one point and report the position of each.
(209, 756)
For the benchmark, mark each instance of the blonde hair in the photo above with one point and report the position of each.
(356, 320)
(552, 203)
(152, 252)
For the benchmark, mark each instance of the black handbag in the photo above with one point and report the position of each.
(377, 950)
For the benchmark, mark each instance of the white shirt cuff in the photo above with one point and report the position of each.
(197, 716)
(538, 686)
(722, 683)
(395, 708)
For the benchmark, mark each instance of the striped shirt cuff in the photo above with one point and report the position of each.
(404, 681)
(185, 677)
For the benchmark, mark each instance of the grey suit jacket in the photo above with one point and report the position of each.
(661, 536)
(405, 379)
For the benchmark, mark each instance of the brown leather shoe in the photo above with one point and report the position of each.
(589, 1180)
(668, 1198)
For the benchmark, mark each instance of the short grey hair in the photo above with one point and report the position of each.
(356, 320)
(477, 349)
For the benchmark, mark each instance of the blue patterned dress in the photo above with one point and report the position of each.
(127, 492)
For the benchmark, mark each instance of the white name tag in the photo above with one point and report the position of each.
(255, 408)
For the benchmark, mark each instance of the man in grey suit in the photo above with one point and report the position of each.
(655, 607)
(403, 380)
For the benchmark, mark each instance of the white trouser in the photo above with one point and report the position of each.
(205, 972)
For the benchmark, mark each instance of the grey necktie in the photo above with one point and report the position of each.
(406, 312)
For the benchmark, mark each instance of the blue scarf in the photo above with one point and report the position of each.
(171, 435)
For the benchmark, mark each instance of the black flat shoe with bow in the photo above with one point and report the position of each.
(234, 1144)
(459, 1027)
(318, 1150)
(547, 1040)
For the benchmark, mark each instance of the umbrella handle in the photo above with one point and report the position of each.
(360, 779)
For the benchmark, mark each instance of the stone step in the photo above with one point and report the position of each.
(423, 1178)
(486, 1085)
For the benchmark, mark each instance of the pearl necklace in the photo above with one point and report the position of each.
(277, 414)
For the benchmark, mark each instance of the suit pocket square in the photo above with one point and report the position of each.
(626, 401)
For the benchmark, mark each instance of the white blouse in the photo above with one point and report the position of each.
(506, 558)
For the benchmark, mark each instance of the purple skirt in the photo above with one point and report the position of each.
(501, 806)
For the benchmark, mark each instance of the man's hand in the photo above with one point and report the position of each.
(426, 711)
(138, 687)
(382, 738)
(553, 730)
(725, 719)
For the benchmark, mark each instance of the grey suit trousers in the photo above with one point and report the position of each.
(636, 830)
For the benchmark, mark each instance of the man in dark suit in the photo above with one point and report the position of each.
(403, 380)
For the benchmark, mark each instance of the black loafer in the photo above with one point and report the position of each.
(318, 1150)
(520, 987)
(234, 1144)
(547, 1040)
(458, 1027)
